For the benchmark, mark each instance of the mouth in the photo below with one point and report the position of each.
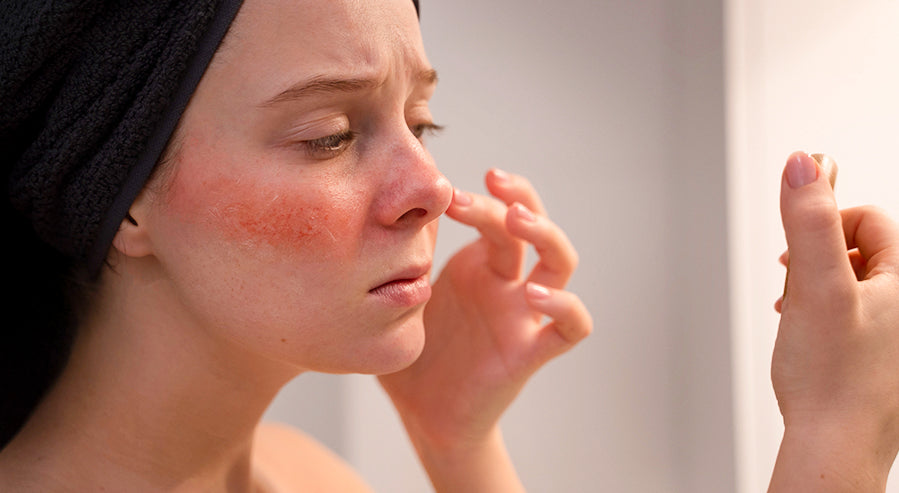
(405, 288)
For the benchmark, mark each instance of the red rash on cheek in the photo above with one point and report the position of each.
(254, 214)
(278, 222)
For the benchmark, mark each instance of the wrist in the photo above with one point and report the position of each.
(457, 450)
(830, 457)
(470, 466)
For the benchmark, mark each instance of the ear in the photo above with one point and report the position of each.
(133, 238)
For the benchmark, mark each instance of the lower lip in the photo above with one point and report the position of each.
(404, 293)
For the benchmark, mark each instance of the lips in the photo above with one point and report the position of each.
(406, 288)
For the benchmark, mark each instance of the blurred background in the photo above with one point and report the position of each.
(656, 131)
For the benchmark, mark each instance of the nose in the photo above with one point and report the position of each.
(413, 191)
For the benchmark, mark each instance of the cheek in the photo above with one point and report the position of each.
(277, 223)
(268, 216)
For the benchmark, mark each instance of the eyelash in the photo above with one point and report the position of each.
(332, 144)
(335, 144)
(421, 129)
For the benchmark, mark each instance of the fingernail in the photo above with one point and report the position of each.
(500, 175)
(537, 291)
(524, 213)
(461, 198)
(801, 170)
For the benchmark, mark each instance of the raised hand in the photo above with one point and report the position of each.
(835, 367)
(486, 325)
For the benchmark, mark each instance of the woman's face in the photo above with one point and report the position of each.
(300, 217)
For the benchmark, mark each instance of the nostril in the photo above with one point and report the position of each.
(413, 214)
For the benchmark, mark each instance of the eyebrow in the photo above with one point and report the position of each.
(331, 85)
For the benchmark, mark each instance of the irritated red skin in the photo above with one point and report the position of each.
(277, 222)
(261, 206)
(250, 213)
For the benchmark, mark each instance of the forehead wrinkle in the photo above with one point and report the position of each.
(335, 85)
(324, 85)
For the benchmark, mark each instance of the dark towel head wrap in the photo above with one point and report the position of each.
(90, 93)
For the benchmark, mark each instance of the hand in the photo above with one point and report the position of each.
(835, 367)
(484, 328)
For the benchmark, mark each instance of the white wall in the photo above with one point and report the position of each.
(816, 75)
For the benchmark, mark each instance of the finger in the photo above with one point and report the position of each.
(784, 258)
(571, 321)
(819, 267)
(511, 188)
(876, 236)
(557, 257)
(505, 255)
(859, 264)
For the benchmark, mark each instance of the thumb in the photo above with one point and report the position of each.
(817, 246)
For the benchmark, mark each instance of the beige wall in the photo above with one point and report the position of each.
(815, 75)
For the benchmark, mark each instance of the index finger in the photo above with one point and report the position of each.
(511, 188)
(875, 235)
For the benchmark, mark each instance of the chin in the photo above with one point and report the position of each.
(399, 348)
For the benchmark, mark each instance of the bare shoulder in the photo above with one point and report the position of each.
(286, 459)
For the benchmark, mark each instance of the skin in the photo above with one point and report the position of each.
(293, 230)
(255, 211)
(835, 366)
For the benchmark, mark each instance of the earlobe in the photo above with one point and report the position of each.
(132, 239)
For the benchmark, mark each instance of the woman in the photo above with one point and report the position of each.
(291, 228)
(288, 227)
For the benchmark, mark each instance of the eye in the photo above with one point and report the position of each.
(330, 146)
(422, 129)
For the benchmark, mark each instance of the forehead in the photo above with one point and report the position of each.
(278, 41)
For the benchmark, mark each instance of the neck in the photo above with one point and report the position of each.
(158, 405)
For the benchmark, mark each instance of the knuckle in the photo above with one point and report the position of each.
(874, 211)
(575, 259)
(576, 316)
(569, 261)
(815, 217)
(523, 181)
(569, 258)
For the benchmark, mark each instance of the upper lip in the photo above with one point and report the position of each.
(407, 273)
